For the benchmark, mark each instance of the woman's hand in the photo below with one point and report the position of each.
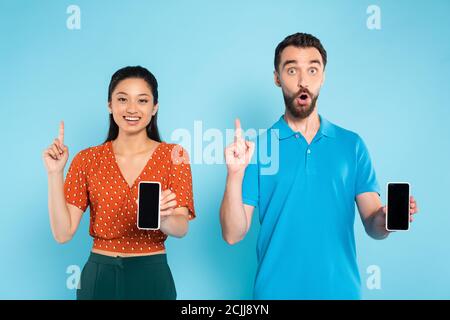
(167, 204)
(177, 225)
(56, 155)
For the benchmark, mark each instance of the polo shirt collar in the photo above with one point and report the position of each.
(284, 131)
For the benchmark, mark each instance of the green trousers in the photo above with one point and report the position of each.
(146, 277)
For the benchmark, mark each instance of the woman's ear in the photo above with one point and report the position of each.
(276, 78)
(109, 107)
(155, 109)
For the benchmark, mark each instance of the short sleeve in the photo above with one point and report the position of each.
(180, 179)
(75, 185)
(366, 180)
(250, 185)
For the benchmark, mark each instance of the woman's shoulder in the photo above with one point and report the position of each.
(173, 147)
(92, 153)
(176, 152)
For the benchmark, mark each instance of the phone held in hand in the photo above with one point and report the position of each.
(149, 194)
(397, 215)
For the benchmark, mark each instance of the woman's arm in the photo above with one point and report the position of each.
(174, 221)
(176, 224)
(64, 218)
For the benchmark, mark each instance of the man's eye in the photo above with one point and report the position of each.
(291, 71)
(313, 71)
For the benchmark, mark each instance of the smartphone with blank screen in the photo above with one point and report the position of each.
(397, 215)
(149, 194)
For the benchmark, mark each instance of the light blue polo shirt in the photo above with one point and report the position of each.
(306, 244)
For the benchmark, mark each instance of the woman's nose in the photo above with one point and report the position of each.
(131, 108)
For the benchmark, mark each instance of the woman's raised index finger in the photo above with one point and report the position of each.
(61, 132)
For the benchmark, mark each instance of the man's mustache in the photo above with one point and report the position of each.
(303, 90)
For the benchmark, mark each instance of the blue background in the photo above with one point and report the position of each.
(214, 62)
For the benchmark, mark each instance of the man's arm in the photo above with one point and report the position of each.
(235, 216)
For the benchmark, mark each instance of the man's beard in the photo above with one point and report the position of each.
(300, 112)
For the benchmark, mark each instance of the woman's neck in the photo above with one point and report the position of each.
(126, 144)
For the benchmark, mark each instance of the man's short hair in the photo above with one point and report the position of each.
(300, 40)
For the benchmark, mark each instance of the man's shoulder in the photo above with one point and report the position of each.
(345, 135)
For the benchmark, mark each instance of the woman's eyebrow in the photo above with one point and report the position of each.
(140, 94)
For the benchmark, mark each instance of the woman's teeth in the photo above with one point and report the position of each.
(132, 118)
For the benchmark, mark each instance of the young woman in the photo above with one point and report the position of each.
(125, 262)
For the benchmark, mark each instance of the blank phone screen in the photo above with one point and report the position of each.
(398, 206)
(148, 215)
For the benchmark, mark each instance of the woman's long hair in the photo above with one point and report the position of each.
(140, 73)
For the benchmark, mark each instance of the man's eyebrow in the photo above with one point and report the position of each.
(288, 62)
(315, 61)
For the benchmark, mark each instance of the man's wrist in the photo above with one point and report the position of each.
(236, 176)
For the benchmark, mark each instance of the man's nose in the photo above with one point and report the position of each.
(302, 81)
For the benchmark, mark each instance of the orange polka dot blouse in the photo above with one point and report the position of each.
(94, 179)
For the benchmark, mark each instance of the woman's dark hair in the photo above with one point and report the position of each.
(300, 40)
(140, 73)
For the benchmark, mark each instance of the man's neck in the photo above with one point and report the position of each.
(308, 127)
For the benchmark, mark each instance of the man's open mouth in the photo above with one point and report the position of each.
(303, 96)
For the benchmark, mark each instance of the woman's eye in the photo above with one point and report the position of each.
(121, 99)
(143, 101)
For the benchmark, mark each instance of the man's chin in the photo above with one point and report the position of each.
(301, 112)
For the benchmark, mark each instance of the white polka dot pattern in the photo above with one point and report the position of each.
(94, 179)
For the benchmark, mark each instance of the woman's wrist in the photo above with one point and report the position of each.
(55, 174)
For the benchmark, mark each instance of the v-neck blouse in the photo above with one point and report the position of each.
(94, 179)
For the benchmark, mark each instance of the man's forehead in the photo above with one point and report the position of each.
(301, 55)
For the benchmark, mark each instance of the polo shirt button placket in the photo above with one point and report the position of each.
(308, 160)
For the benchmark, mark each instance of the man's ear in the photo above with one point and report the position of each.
(276, 78)
(323, 79)
(155, 109)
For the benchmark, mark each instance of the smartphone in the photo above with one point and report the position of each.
(397, 216)
(149, 194)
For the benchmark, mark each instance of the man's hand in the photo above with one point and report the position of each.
(373, 214)
(413, 209)
(239, 153)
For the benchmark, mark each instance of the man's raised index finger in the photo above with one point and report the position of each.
(238, 129)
